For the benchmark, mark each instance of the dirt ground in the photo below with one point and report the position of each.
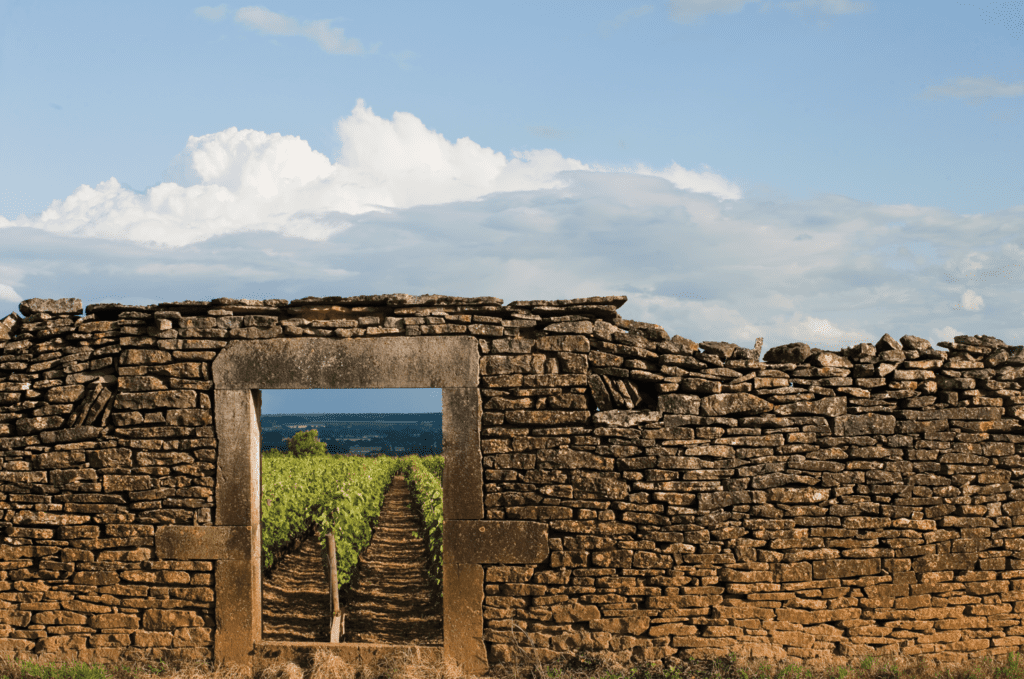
(389, 601)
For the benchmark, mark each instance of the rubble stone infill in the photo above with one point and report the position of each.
(699, 499)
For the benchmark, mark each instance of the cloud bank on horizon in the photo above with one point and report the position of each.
(255, 214)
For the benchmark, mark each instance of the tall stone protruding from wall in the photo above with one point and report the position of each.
(692, 499)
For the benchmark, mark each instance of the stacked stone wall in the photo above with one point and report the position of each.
(699, 499)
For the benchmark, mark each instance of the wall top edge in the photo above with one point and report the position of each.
(584, 316)
(73, 306)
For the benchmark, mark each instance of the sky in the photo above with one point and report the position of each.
(817, 171)
(349, 401)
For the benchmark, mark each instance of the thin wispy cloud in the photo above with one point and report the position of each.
(212, 13)
(689, 11)
(828, 7)
(331, 40)
(404, 59)
(974, 89)
(626, 17)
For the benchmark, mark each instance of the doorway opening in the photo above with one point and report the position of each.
(357, 474)
(246, 369)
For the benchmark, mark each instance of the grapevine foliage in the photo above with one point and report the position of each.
(424, 475)
(343, 495)
(434, 465)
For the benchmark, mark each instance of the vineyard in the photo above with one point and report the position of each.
(343, 496)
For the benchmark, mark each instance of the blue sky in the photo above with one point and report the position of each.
(326, 401)
(822, 171)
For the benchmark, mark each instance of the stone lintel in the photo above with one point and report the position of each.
(203, 543)
(503, 542)
(325, 363)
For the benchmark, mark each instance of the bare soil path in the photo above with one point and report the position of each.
(296, 606)
(389, 601)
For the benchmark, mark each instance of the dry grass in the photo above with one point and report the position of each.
(581, 666)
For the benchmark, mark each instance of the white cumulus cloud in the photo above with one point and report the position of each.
(248, 162)
(242, 180)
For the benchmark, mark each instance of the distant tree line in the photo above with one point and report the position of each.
(307, 444)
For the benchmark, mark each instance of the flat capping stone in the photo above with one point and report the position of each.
(110, 311)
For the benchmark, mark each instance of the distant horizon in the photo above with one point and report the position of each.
(263, 414)
(336, 413)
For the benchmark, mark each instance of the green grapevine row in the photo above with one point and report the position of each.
(343, 495)
(290, 487)
(434, 465)
(424, 476)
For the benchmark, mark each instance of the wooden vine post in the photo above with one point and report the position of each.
(337, 619)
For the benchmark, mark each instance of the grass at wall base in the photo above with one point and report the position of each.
(580, 666)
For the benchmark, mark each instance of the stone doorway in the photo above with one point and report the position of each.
(246, 366)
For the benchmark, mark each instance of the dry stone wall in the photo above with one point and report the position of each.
(699, 499)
